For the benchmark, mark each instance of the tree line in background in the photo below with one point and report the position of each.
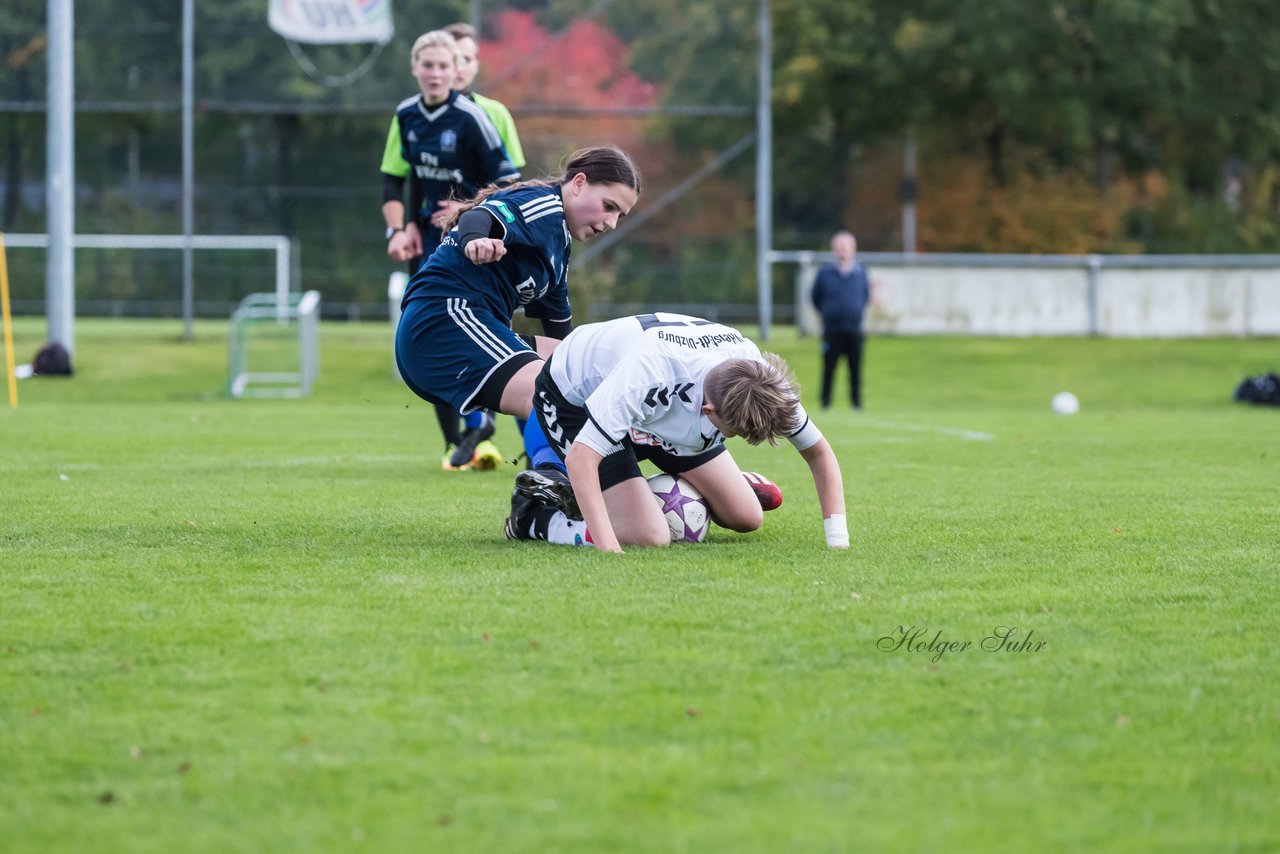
(1073, 126)
(1126, 125)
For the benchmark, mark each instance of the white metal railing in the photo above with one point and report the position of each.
(259, 308)
(271, 242)
(1123, 295)
(395, 295)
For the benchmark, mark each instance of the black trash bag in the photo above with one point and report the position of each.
(53, 360)
(1261, 389)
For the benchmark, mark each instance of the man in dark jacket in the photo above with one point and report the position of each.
(841, 292)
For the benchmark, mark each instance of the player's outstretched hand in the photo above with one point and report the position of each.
(485, 250)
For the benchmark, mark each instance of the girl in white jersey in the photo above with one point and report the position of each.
(670, 389)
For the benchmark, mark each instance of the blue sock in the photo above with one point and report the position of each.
(474, 420)
(538, 448)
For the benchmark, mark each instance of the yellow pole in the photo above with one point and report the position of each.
(8, 327)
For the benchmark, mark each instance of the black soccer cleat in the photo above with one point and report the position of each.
(466, 450)
(550, 487)
(519, 524)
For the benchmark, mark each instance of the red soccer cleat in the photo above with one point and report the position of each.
(766, 490)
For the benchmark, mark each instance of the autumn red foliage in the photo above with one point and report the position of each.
(543, 77)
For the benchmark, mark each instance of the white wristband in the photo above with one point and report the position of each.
(837, 531)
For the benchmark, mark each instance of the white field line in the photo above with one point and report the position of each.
(253, 463)
(339, 459)
(326, 460)
(967, 435)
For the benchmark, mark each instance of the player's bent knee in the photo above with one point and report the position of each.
(648, 542)
(517, 396)
(661, 539)
(742, 520)
(650, 536)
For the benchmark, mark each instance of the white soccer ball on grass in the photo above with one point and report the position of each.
(1066, 403)
(683, 506)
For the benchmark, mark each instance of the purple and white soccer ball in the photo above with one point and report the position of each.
(683, 506)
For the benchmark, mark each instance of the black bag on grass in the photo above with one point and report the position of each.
(1262, 389)
(52, 360)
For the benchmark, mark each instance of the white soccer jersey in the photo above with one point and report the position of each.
(643, 377)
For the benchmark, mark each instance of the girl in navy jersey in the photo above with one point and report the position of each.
(508, 249)
(446, 148)
(443, 145)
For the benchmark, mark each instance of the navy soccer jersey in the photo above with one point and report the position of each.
(534, 272)
(454, 343)
(451, 149)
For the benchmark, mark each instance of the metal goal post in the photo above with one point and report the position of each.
(281, 246)
(292, 336)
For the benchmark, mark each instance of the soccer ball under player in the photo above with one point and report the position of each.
(669, 389)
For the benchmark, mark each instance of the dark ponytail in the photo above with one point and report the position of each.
(602, 164)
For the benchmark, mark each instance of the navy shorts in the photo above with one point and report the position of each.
(455, 352)
(561, 421)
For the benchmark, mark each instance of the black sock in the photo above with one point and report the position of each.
(449, 423)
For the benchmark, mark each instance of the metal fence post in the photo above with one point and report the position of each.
(1094, 267)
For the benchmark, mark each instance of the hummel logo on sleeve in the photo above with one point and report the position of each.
(664, 395)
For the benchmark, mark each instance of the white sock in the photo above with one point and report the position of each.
(564, 531)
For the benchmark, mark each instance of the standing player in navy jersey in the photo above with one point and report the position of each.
(444, 144)
(447, 149)
(509, 249)
(468, 68)
(669, 389)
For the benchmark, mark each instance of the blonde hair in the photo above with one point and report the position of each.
(602, 164)
(435, 38)
(757, 400)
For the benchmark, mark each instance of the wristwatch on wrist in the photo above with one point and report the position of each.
(391, 231)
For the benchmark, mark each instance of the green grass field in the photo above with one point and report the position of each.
(276, 625)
